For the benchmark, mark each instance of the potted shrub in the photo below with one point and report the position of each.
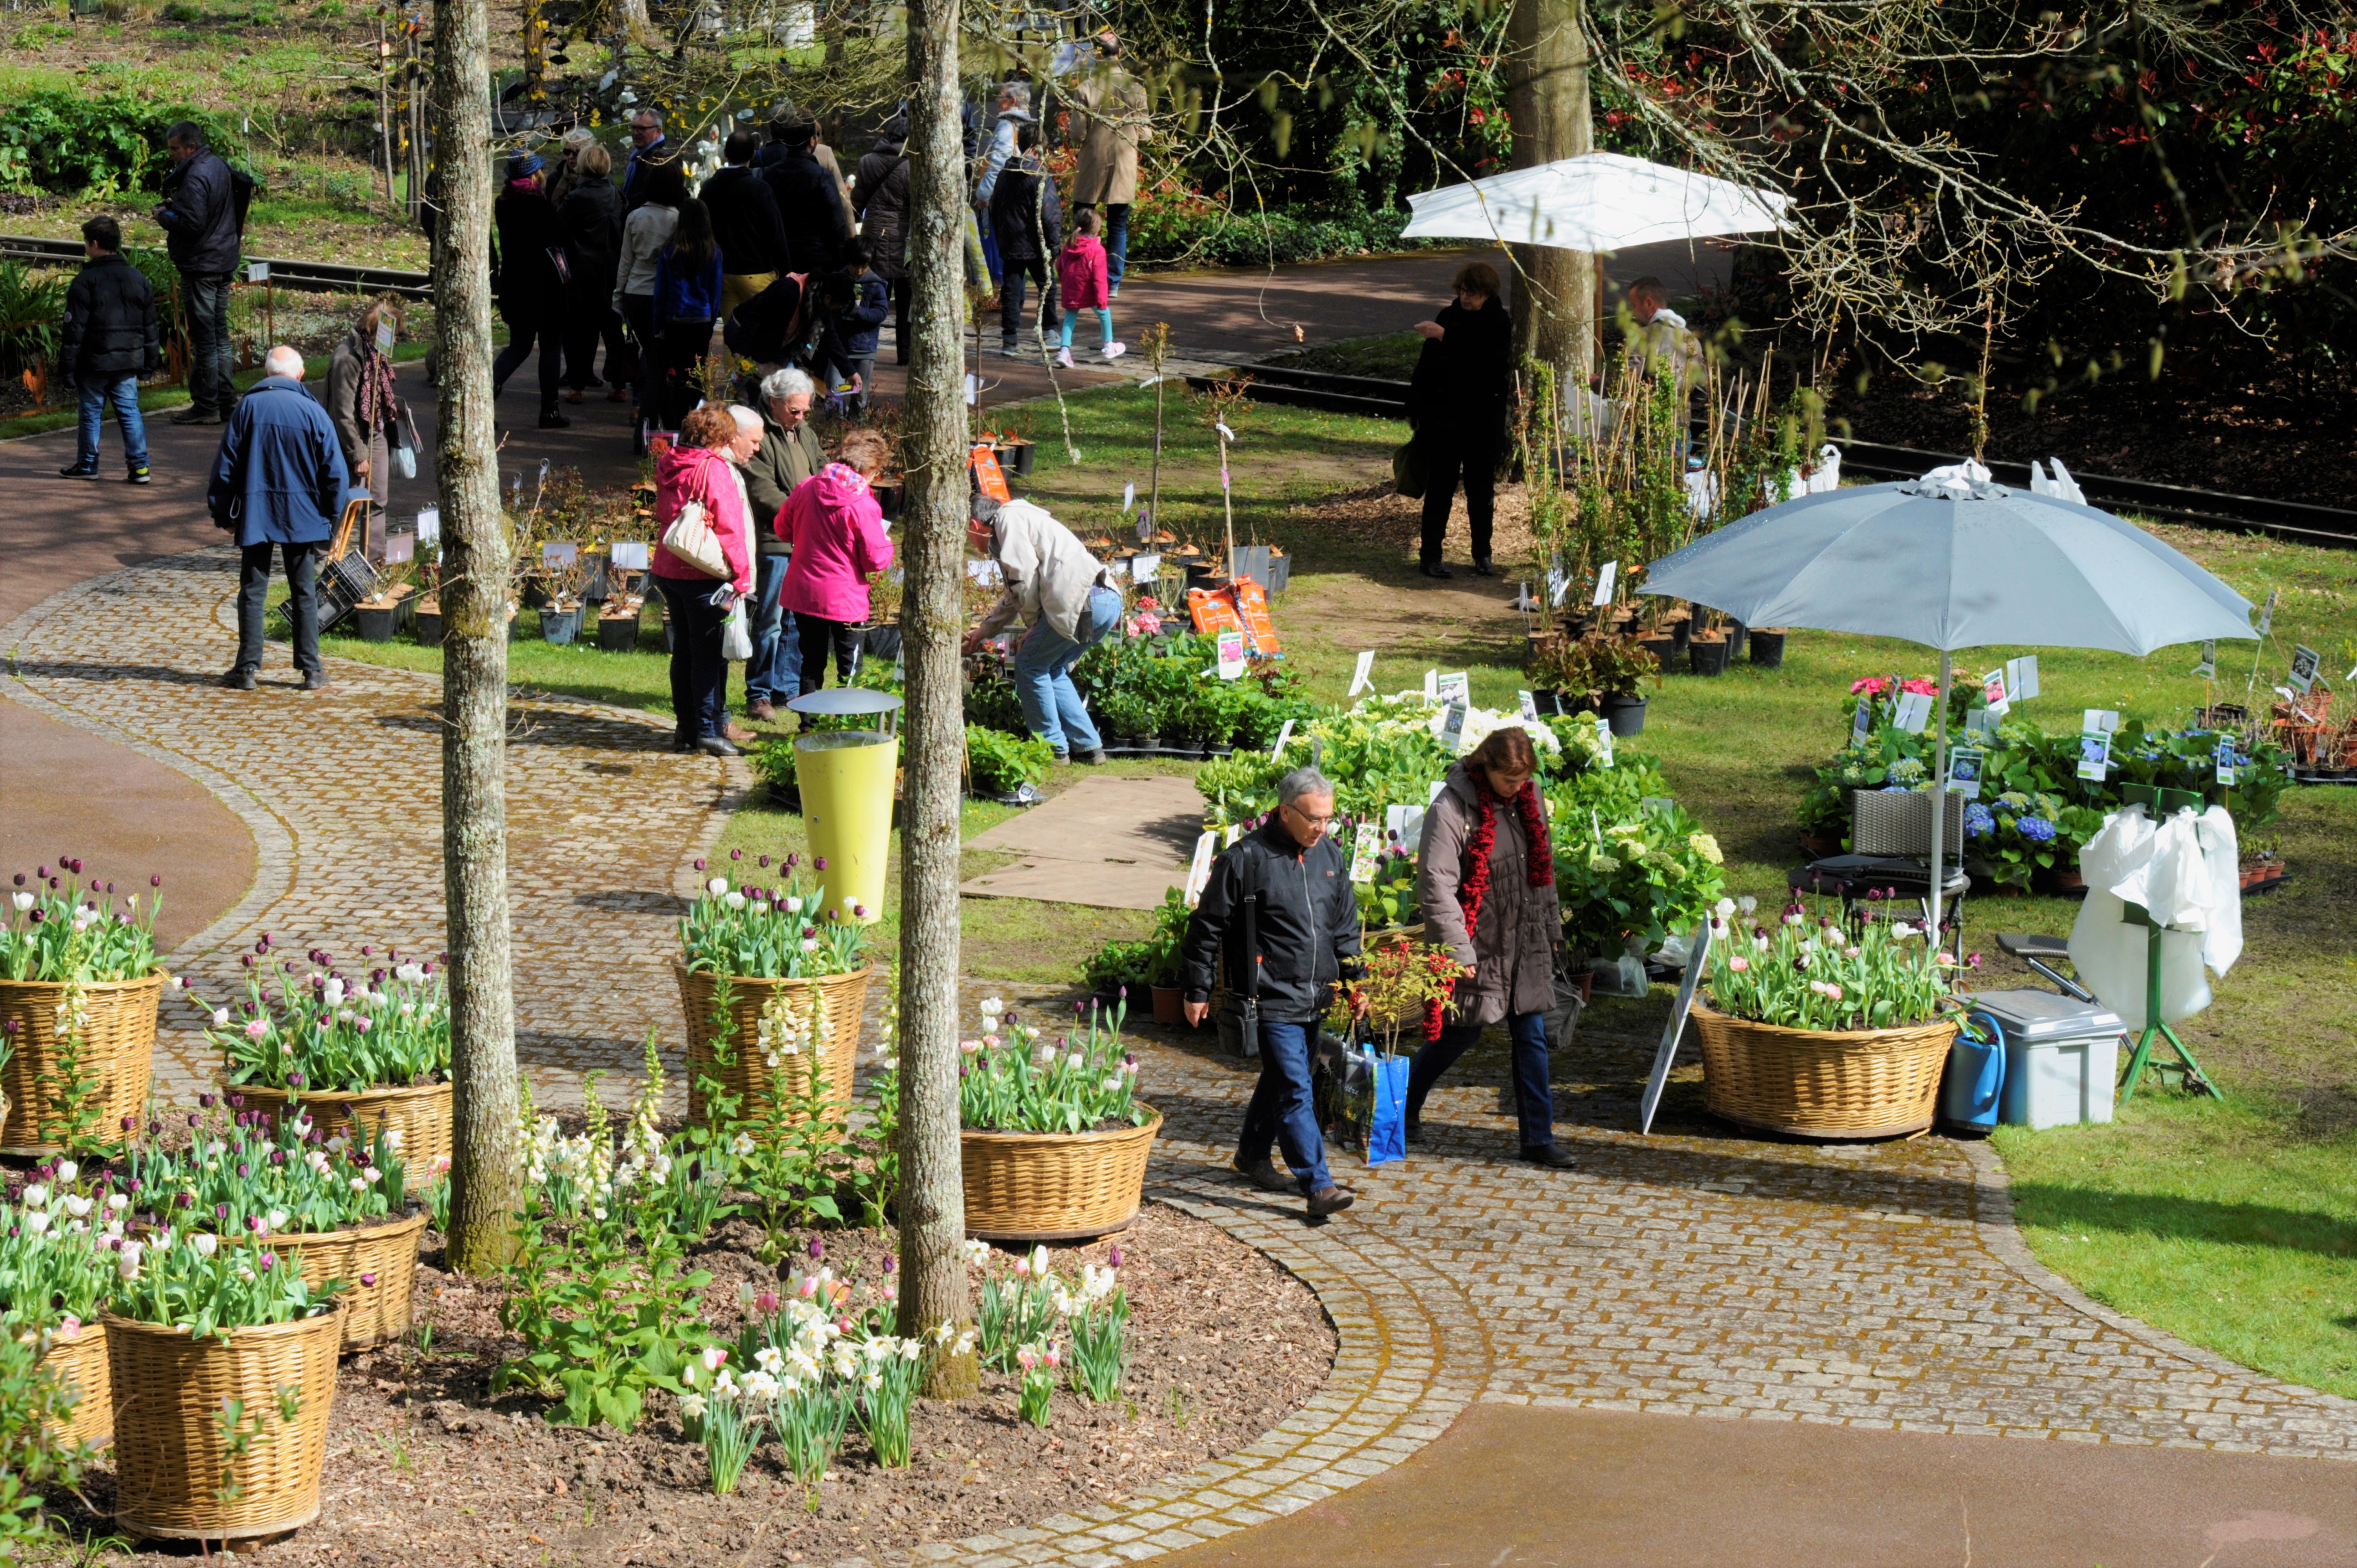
(1824, 1028)
(741, 947)
(57, 1264)
(223, 1363)
(1054, 1140)
(1002, 767)
(427, 622)
(80, 982)
(617, 623)
(1708, 648)
(362, 1053)
(331, 1206)
(1767, 644)
(1609, 673)
(1160, 962)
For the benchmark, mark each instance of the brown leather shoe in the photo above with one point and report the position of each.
(1328, 1200)
(739, 733)
(760, 711)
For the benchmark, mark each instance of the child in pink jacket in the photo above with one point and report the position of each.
(1081, 277)
(836, 529)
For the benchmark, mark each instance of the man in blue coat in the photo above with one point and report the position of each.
(280, 480)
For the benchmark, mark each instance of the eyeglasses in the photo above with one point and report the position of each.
(1306, 819)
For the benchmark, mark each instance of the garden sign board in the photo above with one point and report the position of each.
(1697, 962)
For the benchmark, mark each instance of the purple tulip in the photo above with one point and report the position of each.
(699, 865)
(110, 888)
(817, 1249)
(221, 1211)
(206, 1101)
(792, 861)
(76, 866)
(293, 1080)
(20, 879)
(193, 1118)
(243, 1169)
(277, 1157)
(765, 865)
(891, 1263)
(253, 1223)
(186, 1201)
(818, 862)
(736, 855)
(368, 1280)
(1114, 1258)
(41, 871)
(269, 1261)
(129, 1122)
(859, 911)
(155, 881)
(38, 915)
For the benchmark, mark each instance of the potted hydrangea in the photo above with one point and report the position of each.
(223, 1363)
(1054, 1139)
(57, 1263)
(1824, 1028)
(744, 947)
(364, 1052)
(80, 982)
(329, 1205)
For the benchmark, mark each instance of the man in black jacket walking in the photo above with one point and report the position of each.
(110, 341)
(199, 218)
(810, 203)
(1278, 914)
(745, 224)
(1028, 218)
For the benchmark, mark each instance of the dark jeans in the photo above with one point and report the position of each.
(1116, 239)
(1281, 1111)
(547, 332)
(205, 296)
(1449, 452)
(681, 348)
(254, 587)
(638, 314)
(819, 635)
(586, 323)
(699, 676)
(1010, 303)
(1533, 1100)
(775, 670)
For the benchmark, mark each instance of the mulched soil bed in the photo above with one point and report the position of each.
(423, 1467)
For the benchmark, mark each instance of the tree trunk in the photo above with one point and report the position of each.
(485, 1175)
(932, 613)
(1547, 98)
(633, 16)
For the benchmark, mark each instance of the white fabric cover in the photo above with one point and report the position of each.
(2185, 871)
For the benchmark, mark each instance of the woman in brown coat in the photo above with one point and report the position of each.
(1485, 878)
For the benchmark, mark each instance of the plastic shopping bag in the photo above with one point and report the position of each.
(1359, 1096)
(1387, 1106)
(737, 636)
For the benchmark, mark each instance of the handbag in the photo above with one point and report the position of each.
(404, 444)
(737, 636)
(1407, 470)
(690, 537)
(562, 263)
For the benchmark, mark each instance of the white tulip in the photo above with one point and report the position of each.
(67, 1171)
(716, 886)
(24, 902)
(204, 1242)
(37, 1197)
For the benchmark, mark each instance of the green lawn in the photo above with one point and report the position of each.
(2234, 1225)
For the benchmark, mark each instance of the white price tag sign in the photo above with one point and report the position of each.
(1363, 676)
(1603, 741)
(1432, 686)
(1914, 711)
(1145, 568)
(633, 556)
(986, 573)
(1604, 584)
(1129, 495)
(2021, 678)
(429, 525)
(1282, 737)
(1198, 872)
(257, 271)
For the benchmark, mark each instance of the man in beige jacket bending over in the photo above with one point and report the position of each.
(1066, 597)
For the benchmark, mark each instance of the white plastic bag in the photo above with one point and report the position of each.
(737, 636)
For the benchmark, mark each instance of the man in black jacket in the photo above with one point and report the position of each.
(1028, 218)
(1279, 902)
(745, 224)
(809, 202)
(110, 341)
(199, 218)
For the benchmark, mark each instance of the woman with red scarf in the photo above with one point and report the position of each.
(1485, 877)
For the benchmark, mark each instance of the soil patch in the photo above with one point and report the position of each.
(424, 1467)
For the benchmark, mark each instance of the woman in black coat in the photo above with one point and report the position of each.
(531, 293)
(590, 219)
(1458, 403)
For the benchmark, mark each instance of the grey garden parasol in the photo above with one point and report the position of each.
(1952, 561)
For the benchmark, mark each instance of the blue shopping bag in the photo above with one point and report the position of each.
(1387, 1115)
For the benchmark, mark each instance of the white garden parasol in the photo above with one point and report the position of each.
(1597, 201)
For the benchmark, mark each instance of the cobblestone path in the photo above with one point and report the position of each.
(1694, 1273)
(342, 791)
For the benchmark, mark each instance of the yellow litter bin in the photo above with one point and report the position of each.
(847, 778)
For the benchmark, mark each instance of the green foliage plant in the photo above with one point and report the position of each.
(1003, 763)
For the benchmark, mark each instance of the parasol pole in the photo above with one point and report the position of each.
(1939, 791)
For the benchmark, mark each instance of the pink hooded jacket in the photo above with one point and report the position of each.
(837, 533)
(1081, 274)
(685, 474)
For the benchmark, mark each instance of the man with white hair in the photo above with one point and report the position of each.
(279, 480)
(788, 452)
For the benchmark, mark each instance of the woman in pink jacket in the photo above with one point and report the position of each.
(837, 533)
(696, 470)
(1081, 277)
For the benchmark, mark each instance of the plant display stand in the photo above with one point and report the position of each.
(421, 1114)
(172, 1451)
(1822, 1083)
(2159, 802)
(1054, 1187)
(746, 1075)
(117, 1046)
(80, 1361)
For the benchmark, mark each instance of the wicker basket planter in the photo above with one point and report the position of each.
(169, 1449)
(844, 997)
(420, 1114)
(386, 1251)
(1822, 1083)
(120, 1042)
(81, 1361)
(1054, 1187)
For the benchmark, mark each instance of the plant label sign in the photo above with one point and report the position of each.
(1914, 711)
(2225, 756)
(1363, 855)
(984, 572)
(2267, 615)
(429, 525)
(1363, 676)
(1697, 966)
(631, 555)
(1128, 495)
(1603, 741)
(1603, 595)
(1457, 688)
(1282, 737)
(1199, 871)
(2106, 720)
(257, 271)
(559, 552)
(383, 332)
(1232, 653)
(1432, 686)
(1861, 723)
(1965, 765)
(399, 547)
(1452, 728)
(2208, 669)
(1558, 584)
(2304, 662)
(1993, 689)
(2094, 756)
(1529, 705)
(1983, 722)
(2021, 678)
(1145, 568)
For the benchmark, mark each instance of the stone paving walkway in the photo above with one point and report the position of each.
(1693, 1272)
